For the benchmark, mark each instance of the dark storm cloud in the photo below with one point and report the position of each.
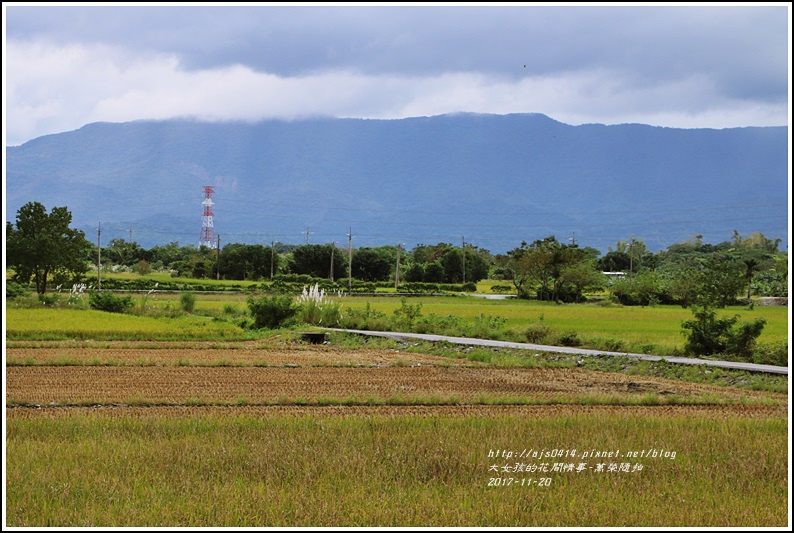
(676, 66)
(743, 50)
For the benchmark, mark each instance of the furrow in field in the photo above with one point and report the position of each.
(166, 356)
(388, 411)
(169, 384)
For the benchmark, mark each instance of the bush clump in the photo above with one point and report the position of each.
(106, 301)
(14, 290)
(537, 332)
(271, 311)
(187, 300)
(709, 335)
(569, 338)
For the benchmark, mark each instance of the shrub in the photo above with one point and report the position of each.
(187, 300)
(49, 300)
(484, 327)
(501, 289)
(407, 314)
(742, 339)
(271, 311)
(709, 335)
(105, 301)
(316, 309)
(231, 309)
(143, 267)
(366, 319)
(771, 354)
(613, 345)
(14, 289)
(536, 332)
(75, 299)
(569, 338)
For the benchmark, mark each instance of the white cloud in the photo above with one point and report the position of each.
(52, 88)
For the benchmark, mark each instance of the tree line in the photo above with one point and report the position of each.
(42, 248)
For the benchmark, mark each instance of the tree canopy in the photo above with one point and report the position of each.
(42, 246)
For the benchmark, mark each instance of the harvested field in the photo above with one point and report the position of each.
(253, 434)
(723, 412)
(81, 385)
(164, 354)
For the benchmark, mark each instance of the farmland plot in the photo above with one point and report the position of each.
(82, 385)
(243, 434)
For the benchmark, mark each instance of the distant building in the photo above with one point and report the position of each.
(612, 276)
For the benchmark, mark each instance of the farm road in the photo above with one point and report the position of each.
(562, 349)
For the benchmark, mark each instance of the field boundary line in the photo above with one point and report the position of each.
(735, 365)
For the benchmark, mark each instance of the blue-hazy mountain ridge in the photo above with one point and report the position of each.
(495, 180)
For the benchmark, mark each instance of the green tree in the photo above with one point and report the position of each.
(750, 268)
(684, 283)
(271, 311)
(414, 273)
(372, 264)
(722, 279)
(121, 252)
(434, 272)
(247, 261)
(518, 268)
(582, 276)
(42, 246)
(143, 267)
(757, 240)
(477, 265)
(559, 272)
(315, 260)
(452, 261)
(708, 335)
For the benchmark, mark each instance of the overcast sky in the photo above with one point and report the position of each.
(683, 66)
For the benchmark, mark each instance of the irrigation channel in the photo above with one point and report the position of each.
(751, 367)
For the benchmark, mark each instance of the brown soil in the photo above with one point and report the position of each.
(176, 385)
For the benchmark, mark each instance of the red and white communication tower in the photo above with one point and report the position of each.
(207, 236)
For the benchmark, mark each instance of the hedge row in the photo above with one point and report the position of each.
(285, 284)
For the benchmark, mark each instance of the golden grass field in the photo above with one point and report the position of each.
(284, 434)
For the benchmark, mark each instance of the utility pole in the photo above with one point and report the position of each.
(631, 262)
(130, 233)
(397, 271)
(333, 245)
(99, 256)
(272, 256)
(463, 248)
(218, 256)
(350, 261)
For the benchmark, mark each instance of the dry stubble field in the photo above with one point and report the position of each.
(184, 434)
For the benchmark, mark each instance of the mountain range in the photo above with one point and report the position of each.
(492, 181)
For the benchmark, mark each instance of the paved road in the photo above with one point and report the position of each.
(562, 349)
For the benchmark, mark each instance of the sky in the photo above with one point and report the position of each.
(686, 66)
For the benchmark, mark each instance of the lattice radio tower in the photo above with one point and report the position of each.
(207, 236)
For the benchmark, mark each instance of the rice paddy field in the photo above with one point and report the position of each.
(134, 421)
(654, 330)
